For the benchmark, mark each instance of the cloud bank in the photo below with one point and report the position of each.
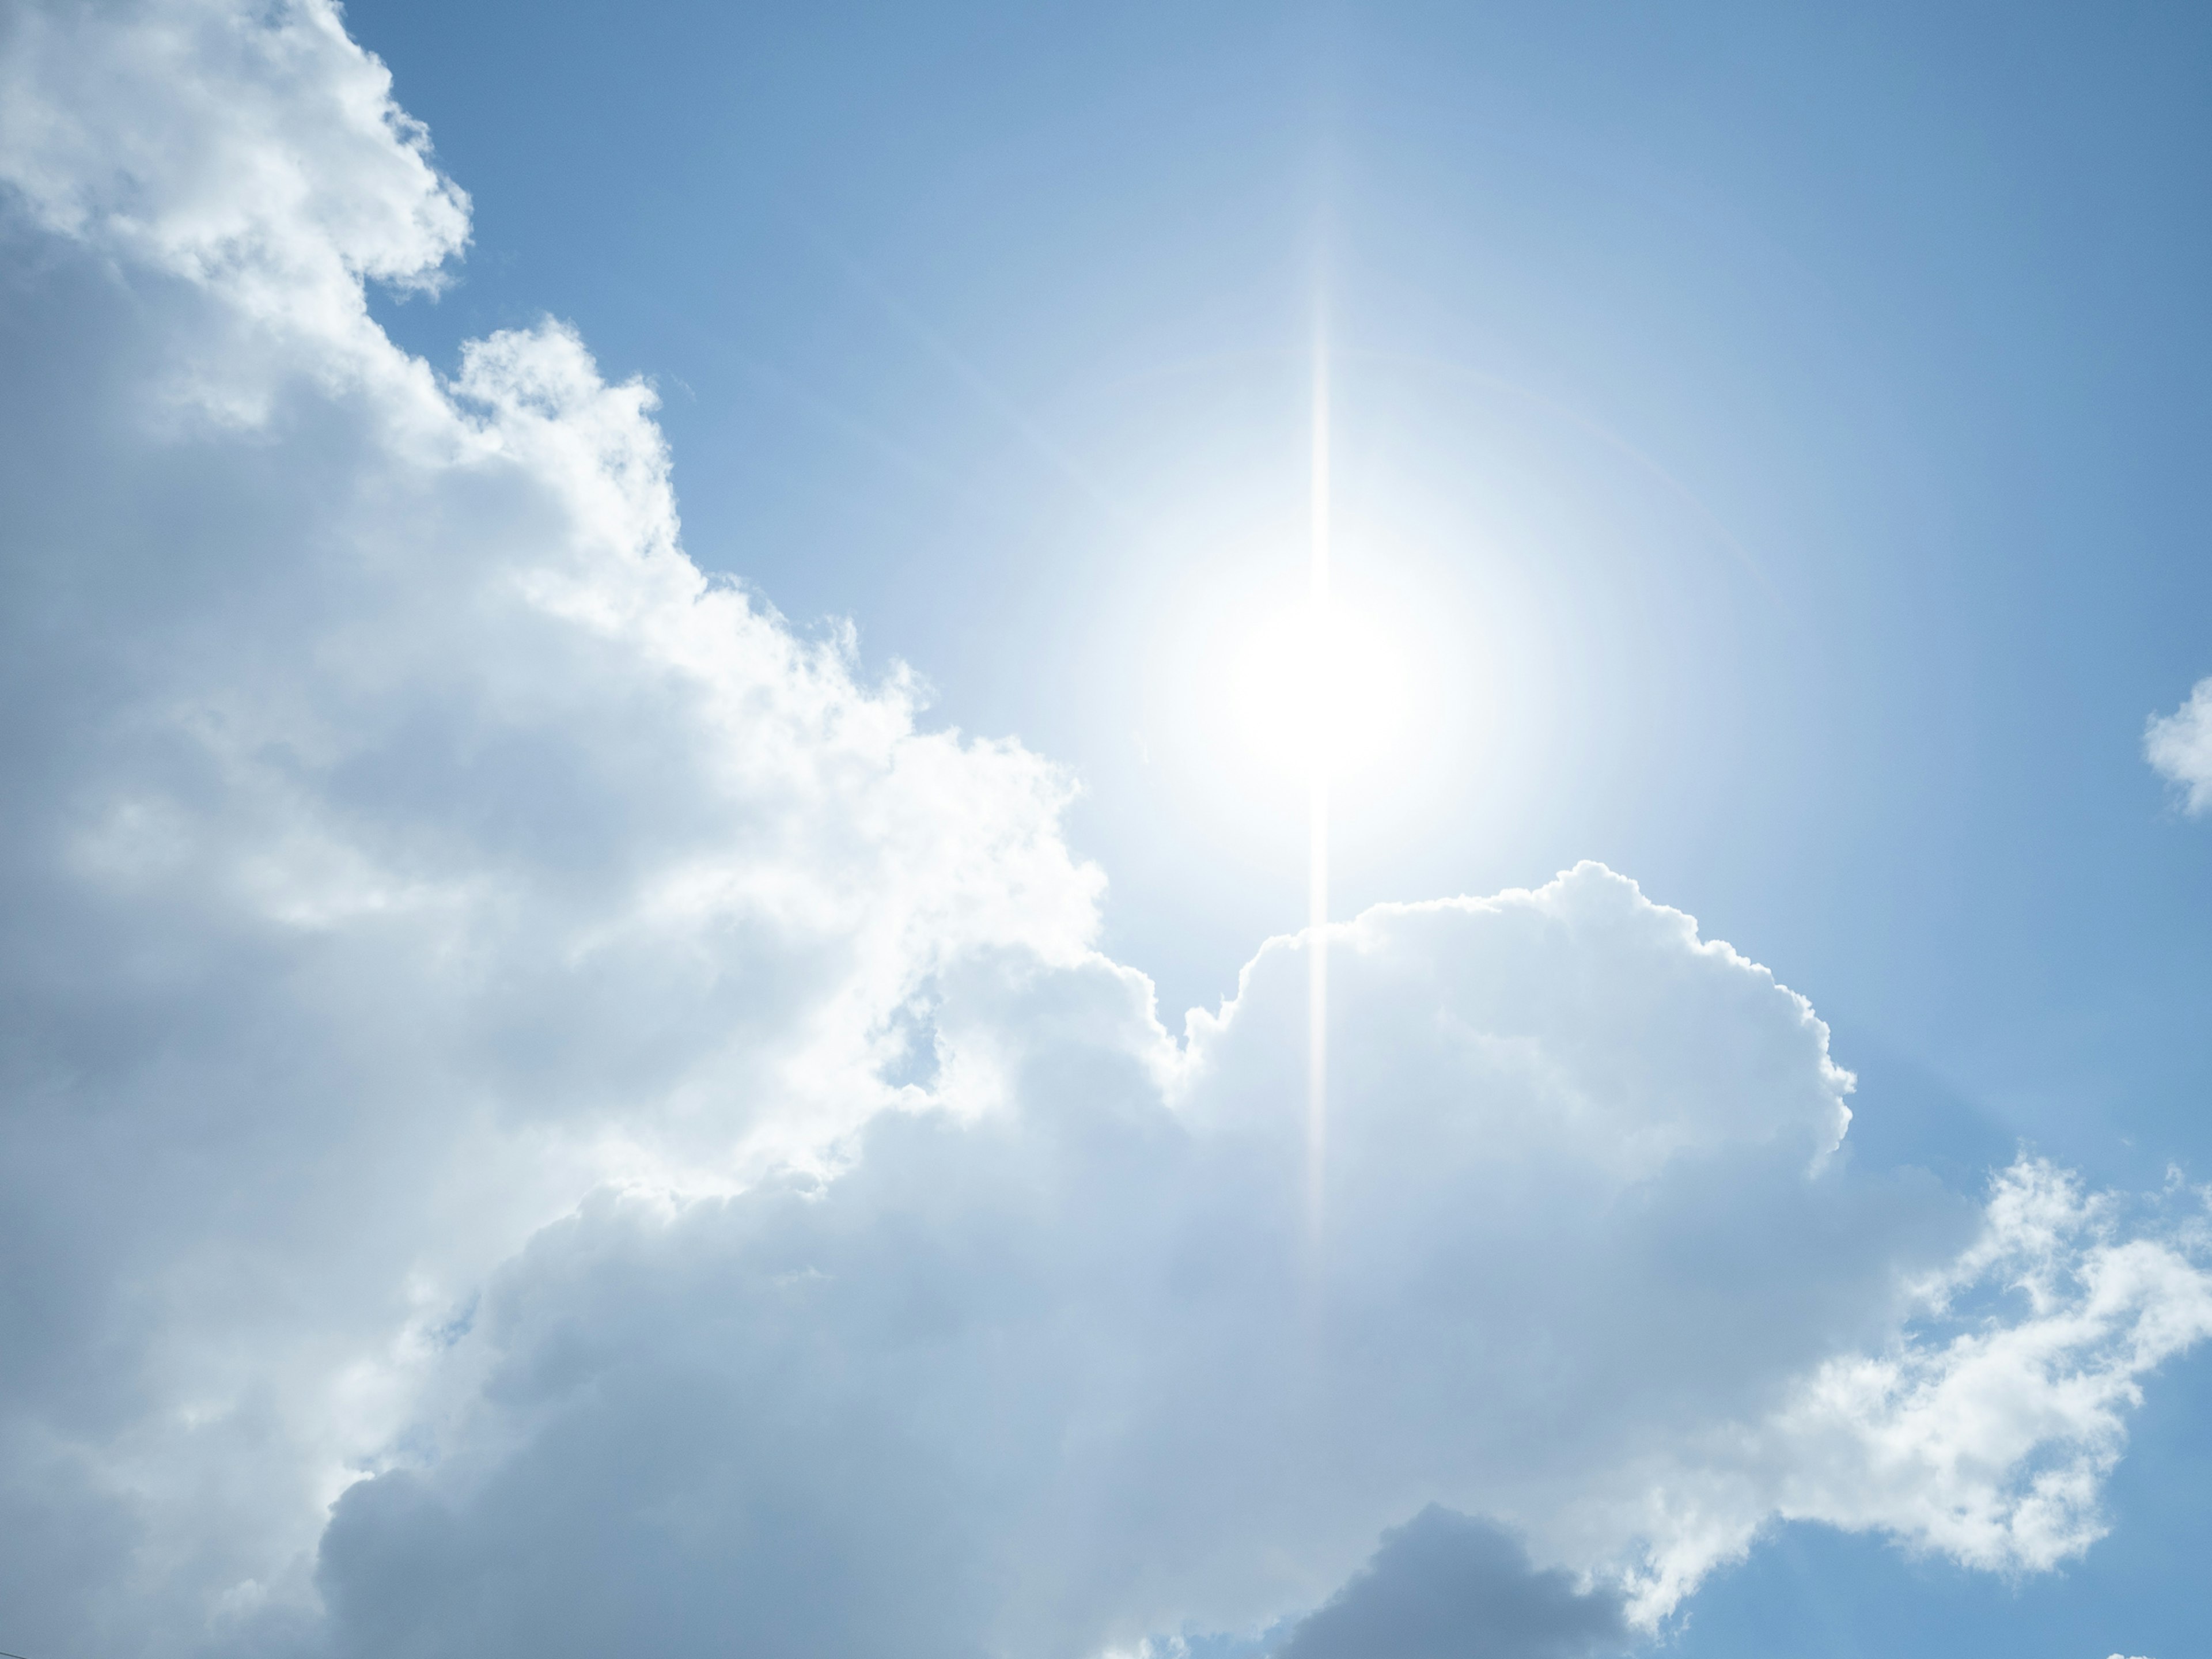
(546, 1108)
(2180, 748)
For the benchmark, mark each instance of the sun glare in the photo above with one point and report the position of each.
(1320, 687)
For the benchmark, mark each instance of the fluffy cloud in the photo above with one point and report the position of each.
(403, 838)
(1077, 1368)
(2179, 745)
(539, 1098)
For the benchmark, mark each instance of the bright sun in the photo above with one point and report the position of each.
(1315, 686)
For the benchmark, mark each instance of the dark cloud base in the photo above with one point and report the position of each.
(1448, 1586)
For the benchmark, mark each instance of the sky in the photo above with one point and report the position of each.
(659, 951)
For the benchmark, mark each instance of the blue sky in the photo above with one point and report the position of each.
(1766, 439)
(986, 331)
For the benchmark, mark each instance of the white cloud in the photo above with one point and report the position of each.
(403, 838)
(1072, 1373)
(488, 1007)
(2179, 746)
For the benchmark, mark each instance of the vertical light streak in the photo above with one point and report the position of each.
(1322, 715)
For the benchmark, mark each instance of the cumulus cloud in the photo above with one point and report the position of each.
(1072, 1370)
(2179, 746)
(540, 1099)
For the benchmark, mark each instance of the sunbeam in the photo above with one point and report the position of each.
(1326, 666)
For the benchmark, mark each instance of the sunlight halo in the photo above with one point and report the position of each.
(1329, 686)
